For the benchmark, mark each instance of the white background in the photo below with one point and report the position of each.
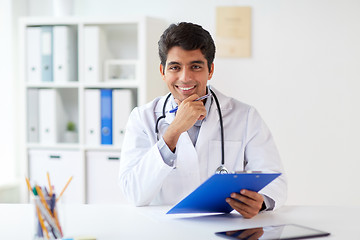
(303, 77)
(5, 93)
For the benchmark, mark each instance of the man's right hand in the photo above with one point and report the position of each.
(189, 111)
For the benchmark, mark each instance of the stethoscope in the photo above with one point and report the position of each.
(221, 169)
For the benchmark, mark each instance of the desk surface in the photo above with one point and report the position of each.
(110, 222)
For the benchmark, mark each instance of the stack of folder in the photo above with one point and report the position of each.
(106, 115)
(46, 116)
(51, 54)
(94, 51)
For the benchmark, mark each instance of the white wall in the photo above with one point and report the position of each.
(10, 10)
(7, 154)
(303, 77)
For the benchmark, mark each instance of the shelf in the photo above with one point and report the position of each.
(122, 61)
(72, 146)
(103, 148)
(108, 84)
(111, 53)
(113, 84)
(57, 146)
(53, 85)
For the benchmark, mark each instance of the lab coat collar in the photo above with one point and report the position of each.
(225, 102)
(225, 106)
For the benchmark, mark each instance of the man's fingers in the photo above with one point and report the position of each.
(243, 199)
(194, 109)
(250, 198)
(247, 203)
(243, 209)
(251, 194)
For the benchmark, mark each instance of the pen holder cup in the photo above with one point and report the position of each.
(47, 224)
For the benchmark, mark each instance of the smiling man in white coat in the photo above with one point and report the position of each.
(173, 143)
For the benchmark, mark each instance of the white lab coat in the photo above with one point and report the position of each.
(146, 179)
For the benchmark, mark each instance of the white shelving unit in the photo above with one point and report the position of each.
(129, 60)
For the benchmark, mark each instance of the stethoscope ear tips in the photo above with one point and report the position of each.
(221, 170)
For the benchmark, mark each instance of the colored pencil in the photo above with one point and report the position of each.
(48, 178)
(67, 184)
(41, 220)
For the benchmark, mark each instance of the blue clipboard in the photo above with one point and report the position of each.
(210, 196)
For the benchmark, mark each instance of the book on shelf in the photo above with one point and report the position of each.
(92, 117)
(122, 106)
(47, 54)
(94, 44)
(65, 54)
(33, 115)
(51, 116)
(33, 54)
(106, 116)
(51, 54)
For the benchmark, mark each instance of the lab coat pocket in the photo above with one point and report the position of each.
(234, 156)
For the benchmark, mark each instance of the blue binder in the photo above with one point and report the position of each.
(106, 116)
(47, 53)
(210, 196)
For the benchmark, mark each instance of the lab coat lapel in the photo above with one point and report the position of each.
(187, 163)
(187, 158)
(210, 134)
(209, 130)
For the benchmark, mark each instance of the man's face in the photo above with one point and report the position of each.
(186, 73)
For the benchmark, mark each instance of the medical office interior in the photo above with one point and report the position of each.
(302, 76)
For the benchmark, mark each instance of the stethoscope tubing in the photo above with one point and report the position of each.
(221, 128)
(161, 117)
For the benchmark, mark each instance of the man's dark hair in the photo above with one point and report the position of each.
(188, 36)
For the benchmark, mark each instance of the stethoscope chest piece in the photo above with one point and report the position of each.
(221, 170)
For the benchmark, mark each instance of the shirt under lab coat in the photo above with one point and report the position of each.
(146, 179)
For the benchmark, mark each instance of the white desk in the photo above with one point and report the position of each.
(110, 222)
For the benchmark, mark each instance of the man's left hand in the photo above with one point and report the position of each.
(247, 203)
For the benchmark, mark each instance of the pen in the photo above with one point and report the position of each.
(198, 99)
(45, 210)
(42, 199)
(48, 217)
(57, 221)
(41, 220)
